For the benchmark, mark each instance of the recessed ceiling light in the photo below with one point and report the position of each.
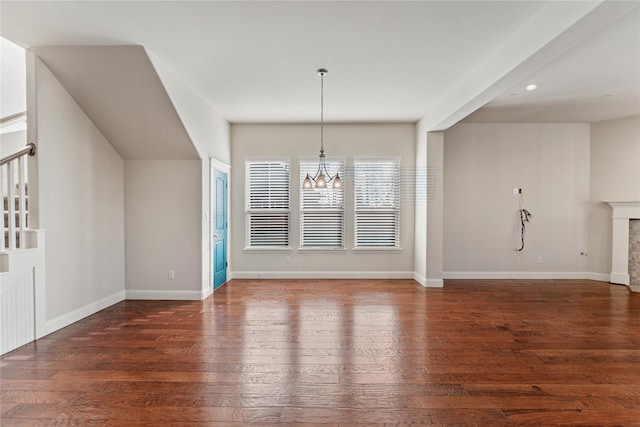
(529, 88)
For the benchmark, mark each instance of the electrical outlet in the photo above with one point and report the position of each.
(518, 259)
(172, 274)
(539, 260)
(287, 259)
(517, 190)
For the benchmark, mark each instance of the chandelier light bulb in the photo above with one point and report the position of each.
(337, 182)
(320, 181)
(307, 182)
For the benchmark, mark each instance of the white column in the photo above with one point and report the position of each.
(435, 208)
(428, 244)
(620, 252)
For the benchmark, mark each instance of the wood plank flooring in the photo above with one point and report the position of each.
(341, 353)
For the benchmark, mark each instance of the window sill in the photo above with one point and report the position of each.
(376, 249)
(320, 249)
(268, 249)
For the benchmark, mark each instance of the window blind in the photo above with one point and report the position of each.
(377, 202)
(267, 203)
(321, 210)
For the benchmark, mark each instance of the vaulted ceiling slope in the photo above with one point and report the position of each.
(255, 61)
(119, 89)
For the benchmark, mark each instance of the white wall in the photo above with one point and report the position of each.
(210, 134)
(163, 228)
(12, 141)
(342, 140)
(615, 160)
(208, 131)
(13, 94)
(482, 165)
(615, 177)
(13, 85)
(81, 202)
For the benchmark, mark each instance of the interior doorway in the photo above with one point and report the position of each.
(219, 223)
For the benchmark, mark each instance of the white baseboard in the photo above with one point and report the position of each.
(323, 275)
(205, 293)
(164, 295)
(82, 312)
(600, 277)
(524, 275)
(428, 283)
(435, 283)
(619, 278)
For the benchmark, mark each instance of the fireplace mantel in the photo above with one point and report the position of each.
(622, 213)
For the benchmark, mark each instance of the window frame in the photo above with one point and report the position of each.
(284, 212)
(337, 208)
(360, 210)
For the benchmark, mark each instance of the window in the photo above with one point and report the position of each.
(321, 210)
(377, 203)
(267, 203)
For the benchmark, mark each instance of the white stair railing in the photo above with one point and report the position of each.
(13, 186)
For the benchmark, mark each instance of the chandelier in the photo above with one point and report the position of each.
(322, 176)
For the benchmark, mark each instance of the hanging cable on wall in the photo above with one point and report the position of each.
(525, 215)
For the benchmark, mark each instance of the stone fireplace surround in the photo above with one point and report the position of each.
(622, 213)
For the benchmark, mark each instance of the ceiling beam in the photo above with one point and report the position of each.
(555, 29)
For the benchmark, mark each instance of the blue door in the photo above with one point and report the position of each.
(219, 234)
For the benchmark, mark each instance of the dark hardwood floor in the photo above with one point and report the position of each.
(343, 353)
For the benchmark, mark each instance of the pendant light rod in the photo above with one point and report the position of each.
(322, 177)
(322, 72)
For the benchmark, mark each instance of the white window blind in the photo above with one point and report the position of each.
(267, 203)
(377, 202)
(321, 210)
